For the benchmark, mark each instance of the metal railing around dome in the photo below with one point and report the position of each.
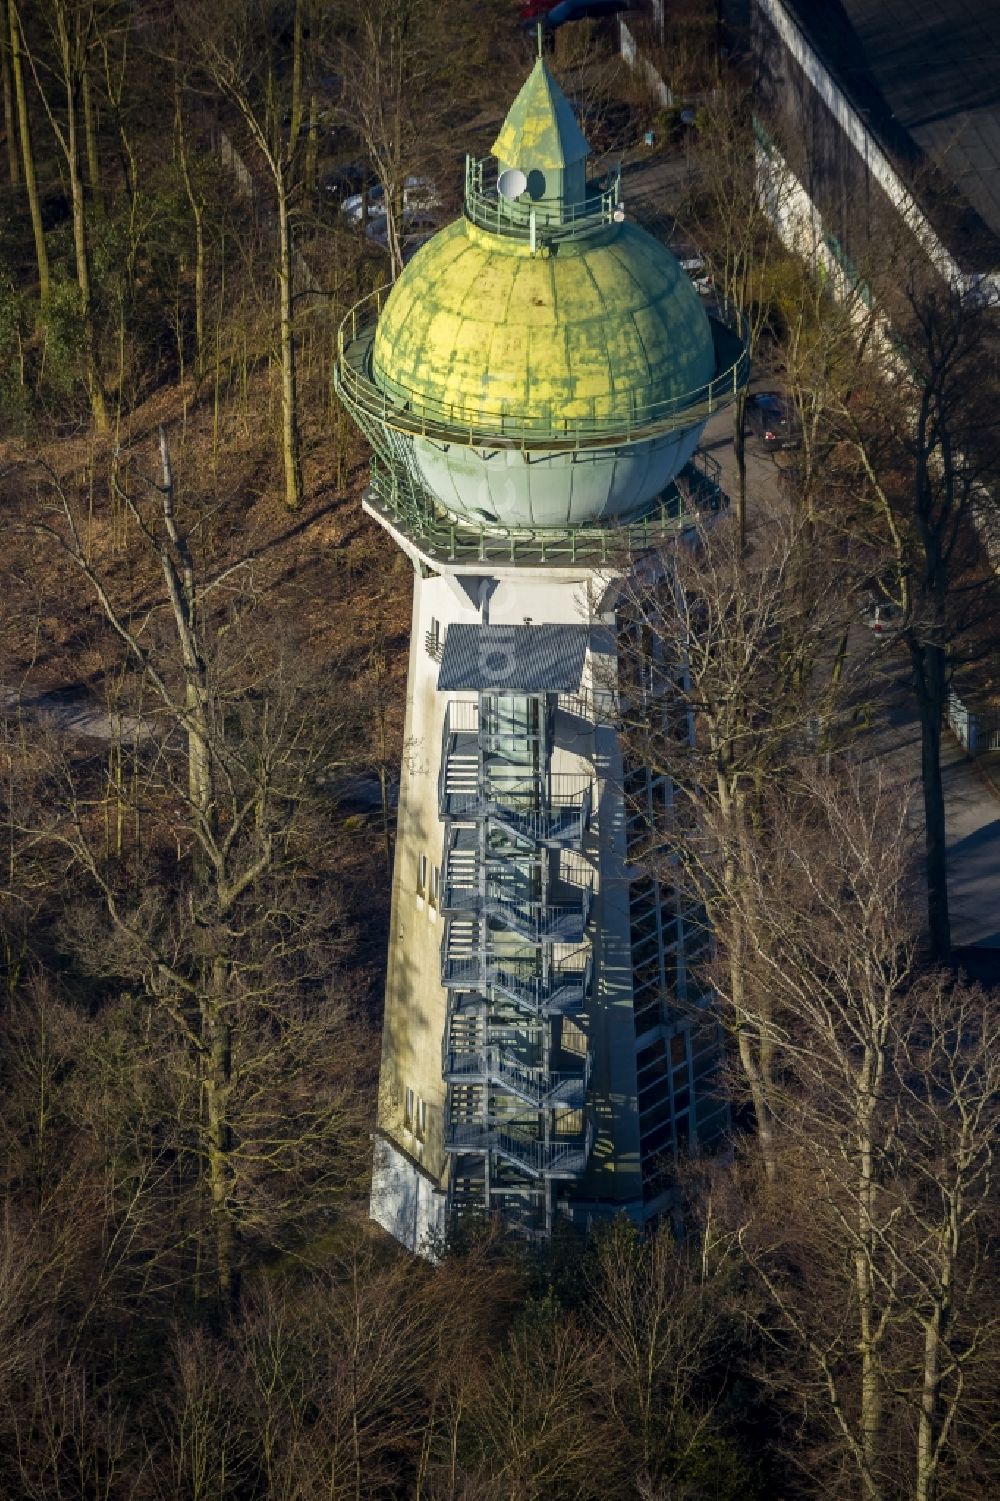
(489, 210)
(395, 499)
(493, 427)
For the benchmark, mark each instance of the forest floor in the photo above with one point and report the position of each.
(326, 580)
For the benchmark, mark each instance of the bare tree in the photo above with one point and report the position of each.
(241, 52)
(885, 1104)
(27, 148)
(730, 222)
(71, 26)
(659, 1308)
(735, 644)
(9, 118)
(235, 948)
(927, 441)
(403, 64)
(531, 1424)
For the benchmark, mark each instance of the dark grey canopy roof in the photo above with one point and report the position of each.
(513, 658)
(926, 70)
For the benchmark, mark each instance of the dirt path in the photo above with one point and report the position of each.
(68, 712)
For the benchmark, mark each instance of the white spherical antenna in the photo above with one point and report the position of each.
(619, 214)
(511, 184)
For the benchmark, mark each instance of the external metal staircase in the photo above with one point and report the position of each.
(515, 960)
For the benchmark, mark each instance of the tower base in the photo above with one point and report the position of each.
(406, 1201)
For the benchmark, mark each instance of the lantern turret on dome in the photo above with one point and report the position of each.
(541, 139)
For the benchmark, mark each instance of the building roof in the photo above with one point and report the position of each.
(540, 129)
(925, 74)
(513, 658)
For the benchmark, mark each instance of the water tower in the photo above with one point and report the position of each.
(533, 387)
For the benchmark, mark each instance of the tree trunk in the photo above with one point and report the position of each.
(930, 673)
(749, 1042)
(90, 142)
(926, 1476)
(80, 247)
(931, 1424)
(871, 1383)
(740, 445)
(199, 290)
(9, 123)
(290, 452)
(312, 150)
(216, 1077)
(27, 155)
(198, 218)
(383, 781)
(747, 1046)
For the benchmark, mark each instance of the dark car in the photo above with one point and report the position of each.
(345, 180)
(554, 13)
(772, 418)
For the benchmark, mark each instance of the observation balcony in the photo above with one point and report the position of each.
(566, 1088)
(393, 498)
(553, 809)
(559, 1157)
(461, 717)
(545, 223)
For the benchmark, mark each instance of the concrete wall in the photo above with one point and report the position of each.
(415, 1003)
(406, 1201)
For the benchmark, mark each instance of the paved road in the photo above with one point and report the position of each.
(973, 813)
(972, 808)
(762, 472)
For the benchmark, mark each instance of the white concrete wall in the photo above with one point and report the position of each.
(415, 1002)
(406, 1201)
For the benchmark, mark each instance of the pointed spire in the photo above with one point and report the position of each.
(541, 130)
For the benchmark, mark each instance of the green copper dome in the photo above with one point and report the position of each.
(541, 362)
(608, 326)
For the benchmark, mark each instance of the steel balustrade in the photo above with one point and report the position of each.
(484, 426)
(482, 794)
(488, 209)
(563, 1087)
(559, 1157)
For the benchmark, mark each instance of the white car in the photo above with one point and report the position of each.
(882, 617)
(695, 268)
(419, 196)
